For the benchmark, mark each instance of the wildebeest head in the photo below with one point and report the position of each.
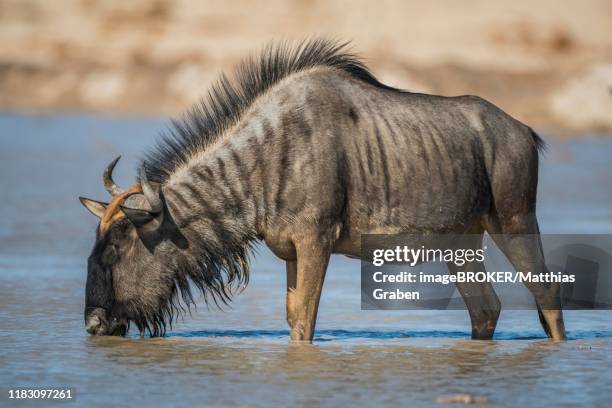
(132, 269)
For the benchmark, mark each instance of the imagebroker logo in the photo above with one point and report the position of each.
(474, 277)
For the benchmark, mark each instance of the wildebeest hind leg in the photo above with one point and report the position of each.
(481, 301)
(480, 298)
(520, 242)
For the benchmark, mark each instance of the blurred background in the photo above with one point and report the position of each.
(84, 81)
(546, 62)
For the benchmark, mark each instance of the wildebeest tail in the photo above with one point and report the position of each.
(539, 142)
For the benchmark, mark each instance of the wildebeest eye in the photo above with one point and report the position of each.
(110, 255)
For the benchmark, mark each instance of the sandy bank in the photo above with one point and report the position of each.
(548, 63)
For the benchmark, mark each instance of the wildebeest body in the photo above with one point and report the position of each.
(323, 148)
(316, 157)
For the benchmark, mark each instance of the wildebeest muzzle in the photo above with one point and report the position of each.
(99, 323)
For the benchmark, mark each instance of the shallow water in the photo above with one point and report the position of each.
(242, 356)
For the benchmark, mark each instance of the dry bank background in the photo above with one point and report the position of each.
(549, 63)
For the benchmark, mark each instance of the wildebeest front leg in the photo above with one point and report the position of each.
(291, 284)
(304, 283)
(481, 301)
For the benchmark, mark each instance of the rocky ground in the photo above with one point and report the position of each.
(549, 63)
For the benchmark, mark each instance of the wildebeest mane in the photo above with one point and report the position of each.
(227, 100)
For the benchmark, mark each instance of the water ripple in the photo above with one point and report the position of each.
(331, 335)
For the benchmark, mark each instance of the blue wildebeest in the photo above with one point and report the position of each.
(305, 150)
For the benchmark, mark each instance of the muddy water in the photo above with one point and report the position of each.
(242, 356)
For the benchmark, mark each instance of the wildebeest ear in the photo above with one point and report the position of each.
(137, 216)
(97, 208)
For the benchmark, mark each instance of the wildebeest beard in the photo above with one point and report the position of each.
(218, 268)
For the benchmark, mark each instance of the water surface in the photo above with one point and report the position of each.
(242, 356)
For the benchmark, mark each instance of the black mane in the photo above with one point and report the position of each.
(227, 100)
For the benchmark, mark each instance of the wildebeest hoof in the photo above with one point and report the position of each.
(461, 399)
(298, 334)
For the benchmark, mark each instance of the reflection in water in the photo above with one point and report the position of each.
(242, 356)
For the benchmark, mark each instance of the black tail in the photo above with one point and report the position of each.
(539, 142)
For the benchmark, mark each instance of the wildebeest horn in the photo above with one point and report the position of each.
(149, 192)
(109, 184)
